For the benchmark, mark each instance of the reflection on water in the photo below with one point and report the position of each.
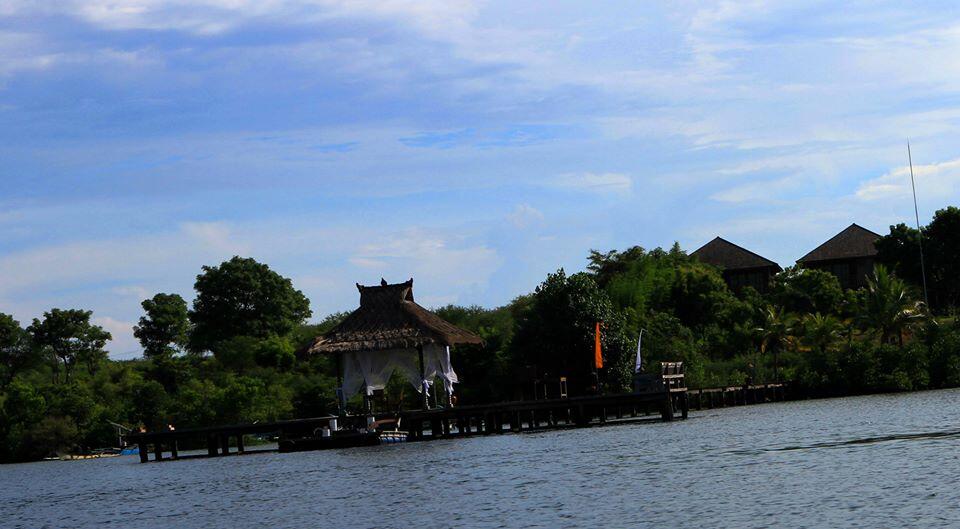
(877, 439)
(877, 461)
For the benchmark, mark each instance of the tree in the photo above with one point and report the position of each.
(242, 297)
(162, 331)
(71, 338)
(555, 335)
(804, 291)
(899, 251)
(942, 244)
(821, 330)
(776, 335)
(886, 306)
(15, 351)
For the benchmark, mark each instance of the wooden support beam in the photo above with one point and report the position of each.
(240, 448)
(157, 451)
(224, 444)
(211, 445)
(424, 403)
(666, 409)
(174, 454)
(144, 453)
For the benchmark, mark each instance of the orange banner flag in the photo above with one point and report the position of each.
(597, 352)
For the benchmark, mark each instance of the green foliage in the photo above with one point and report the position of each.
(942, 245)
(807, 291)
(16, 353)
(163, 329)
(242, 297)
(485, 373)
(555, 335)
(899, 251)
(886, 305)
(70, 338)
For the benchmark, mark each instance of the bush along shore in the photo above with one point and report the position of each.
(235, 353)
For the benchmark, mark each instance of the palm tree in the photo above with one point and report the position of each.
(777, 333)
(887, 306)
(821, 330)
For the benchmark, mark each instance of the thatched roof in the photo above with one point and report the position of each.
(728, 256)
(853, 242)
(388, 318)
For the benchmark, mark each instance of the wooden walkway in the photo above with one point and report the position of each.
(423, 425)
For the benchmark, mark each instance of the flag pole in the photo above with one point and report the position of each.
(916, 213)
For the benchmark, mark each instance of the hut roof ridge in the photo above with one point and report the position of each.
(389, 318)
(729, 256)
(852, 242)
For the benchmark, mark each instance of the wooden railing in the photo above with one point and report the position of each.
(672, 375)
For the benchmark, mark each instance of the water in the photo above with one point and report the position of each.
(879, 461)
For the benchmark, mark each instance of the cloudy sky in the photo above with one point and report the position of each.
(475, 146)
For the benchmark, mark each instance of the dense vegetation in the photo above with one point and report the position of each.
(236, 353)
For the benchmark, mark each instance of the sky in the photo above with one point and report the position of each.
(475, 146)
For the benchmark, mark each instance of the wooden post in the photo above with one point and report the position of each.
(211, 445)
(173, 449)
(224, 444)
(666, 408)
(339, 389)
(157, 450)
(423, 383)
(367, 401)
(240, 448)
(144, 453)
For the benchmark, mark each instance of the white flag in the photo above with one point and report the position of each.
(636, 368)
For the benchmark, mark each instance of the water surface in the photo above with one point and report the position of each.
(879, 461)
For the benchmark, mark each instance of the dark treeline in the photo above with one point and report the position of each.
(236, 352)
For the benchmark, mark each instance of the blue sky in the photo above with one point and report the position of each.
(475, 146)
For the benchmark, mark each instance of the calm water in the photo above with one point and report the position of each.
(883, 461)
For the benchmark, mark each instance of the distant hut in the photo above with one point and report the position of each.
(740, 267)
(390, 332)
(850, 255)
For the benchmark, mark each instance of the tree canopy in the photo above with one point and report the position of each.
(70, 338)
(242, 297)
(162, 330)
(900, 252)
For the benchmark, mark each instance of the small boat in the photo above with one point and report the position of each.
(342, 439)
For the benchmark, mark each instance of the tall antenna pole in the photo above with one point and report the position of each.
(916, 213)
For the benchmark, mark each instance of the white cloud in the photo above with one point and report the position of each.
(524, 215)
(933, 180)
(136, 292)
(439, 262)
(217, 16)
(763, 190)
(124, 344)
(596, 182)
(112, 276)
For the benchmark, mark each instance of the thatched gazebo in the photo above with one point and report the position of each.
(390, 332)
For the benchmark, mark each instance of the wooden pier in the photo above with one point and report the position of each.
(667, 404)
(425, 425)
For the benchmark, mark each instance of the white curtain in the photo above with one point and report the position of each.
(373, 368)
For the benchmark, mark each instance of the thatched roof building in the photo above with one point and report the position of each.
(391, 333)
(740, 267)
(389, 318)
(849, 255)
